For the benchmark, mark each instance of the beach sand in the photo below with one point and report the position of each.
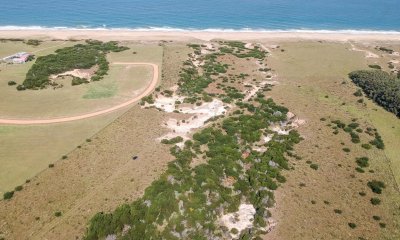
(121, 35)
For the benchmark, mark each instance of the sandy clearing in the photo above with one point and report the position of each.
(147, 91)
(368, 54)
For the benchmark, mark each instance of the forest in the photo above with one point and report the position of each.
(380, 86)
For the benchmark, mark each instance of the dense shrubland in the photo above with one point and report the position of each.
(382, 87)
(80, 56)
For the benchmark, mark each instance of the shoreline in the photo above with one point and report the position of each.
(184, 35)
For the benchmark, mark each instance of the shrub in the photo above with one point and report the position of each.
(376, 218)
(360, 170)
(88, 140)
(8, 195)
(375, 201)
(362, 194)
(382, 225)
(11, 83)
(338, 211)
(347, 150)
(358, 93)
(366, 146)
(18, 188)
(21, 88)
(57, 214)
(352, 225)
(33, 42)
(64, 157)
(174, 140)
(353, 125)
(78, 81)
(314, 166)
(376, 186)
(374, 66)
(362, 162)
(51, 165)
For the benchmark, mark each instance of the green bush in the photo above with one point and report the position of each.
(366, 146)
(376, 186)
(347, 150)
(358, 93)
(57, 214)
(33, 42)
(314, 166)
(362, 162)
(360, 170)
(78, 81)
(21, 88)
(8, 195)
(174, 140)
(11, 83)
(338, 211)
(374, 66)
(376, 218)
(18, 188)
(375, 201)
(352, 225)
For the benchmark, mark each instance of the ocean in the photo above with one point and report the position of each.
(210, 15)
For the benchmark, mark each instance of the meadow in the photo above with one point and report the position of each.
(314, 81)
(28, 150)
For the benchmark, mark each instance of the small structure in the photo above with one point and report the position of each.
(18, 58)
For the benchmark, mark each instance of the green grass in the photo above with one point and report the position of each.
(101, 91)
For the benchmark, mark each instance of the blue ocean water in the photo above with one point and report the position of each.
(366, 15)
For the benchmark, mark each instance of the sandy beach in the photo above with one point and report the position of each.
(201, 35)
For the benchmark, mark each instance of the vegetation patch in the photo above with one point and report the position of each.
(80, 56)
(187, 202)
(382, 87)
(376, 186)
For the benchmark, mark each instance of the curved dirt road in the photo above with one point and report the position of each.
(148, 90)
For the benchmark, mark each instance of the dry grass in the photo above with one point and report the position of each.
(311, 76)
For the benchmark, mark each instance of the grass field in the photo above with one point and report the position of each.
(120, 84)
(99, 175)
(27, 150)
(313, 83)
